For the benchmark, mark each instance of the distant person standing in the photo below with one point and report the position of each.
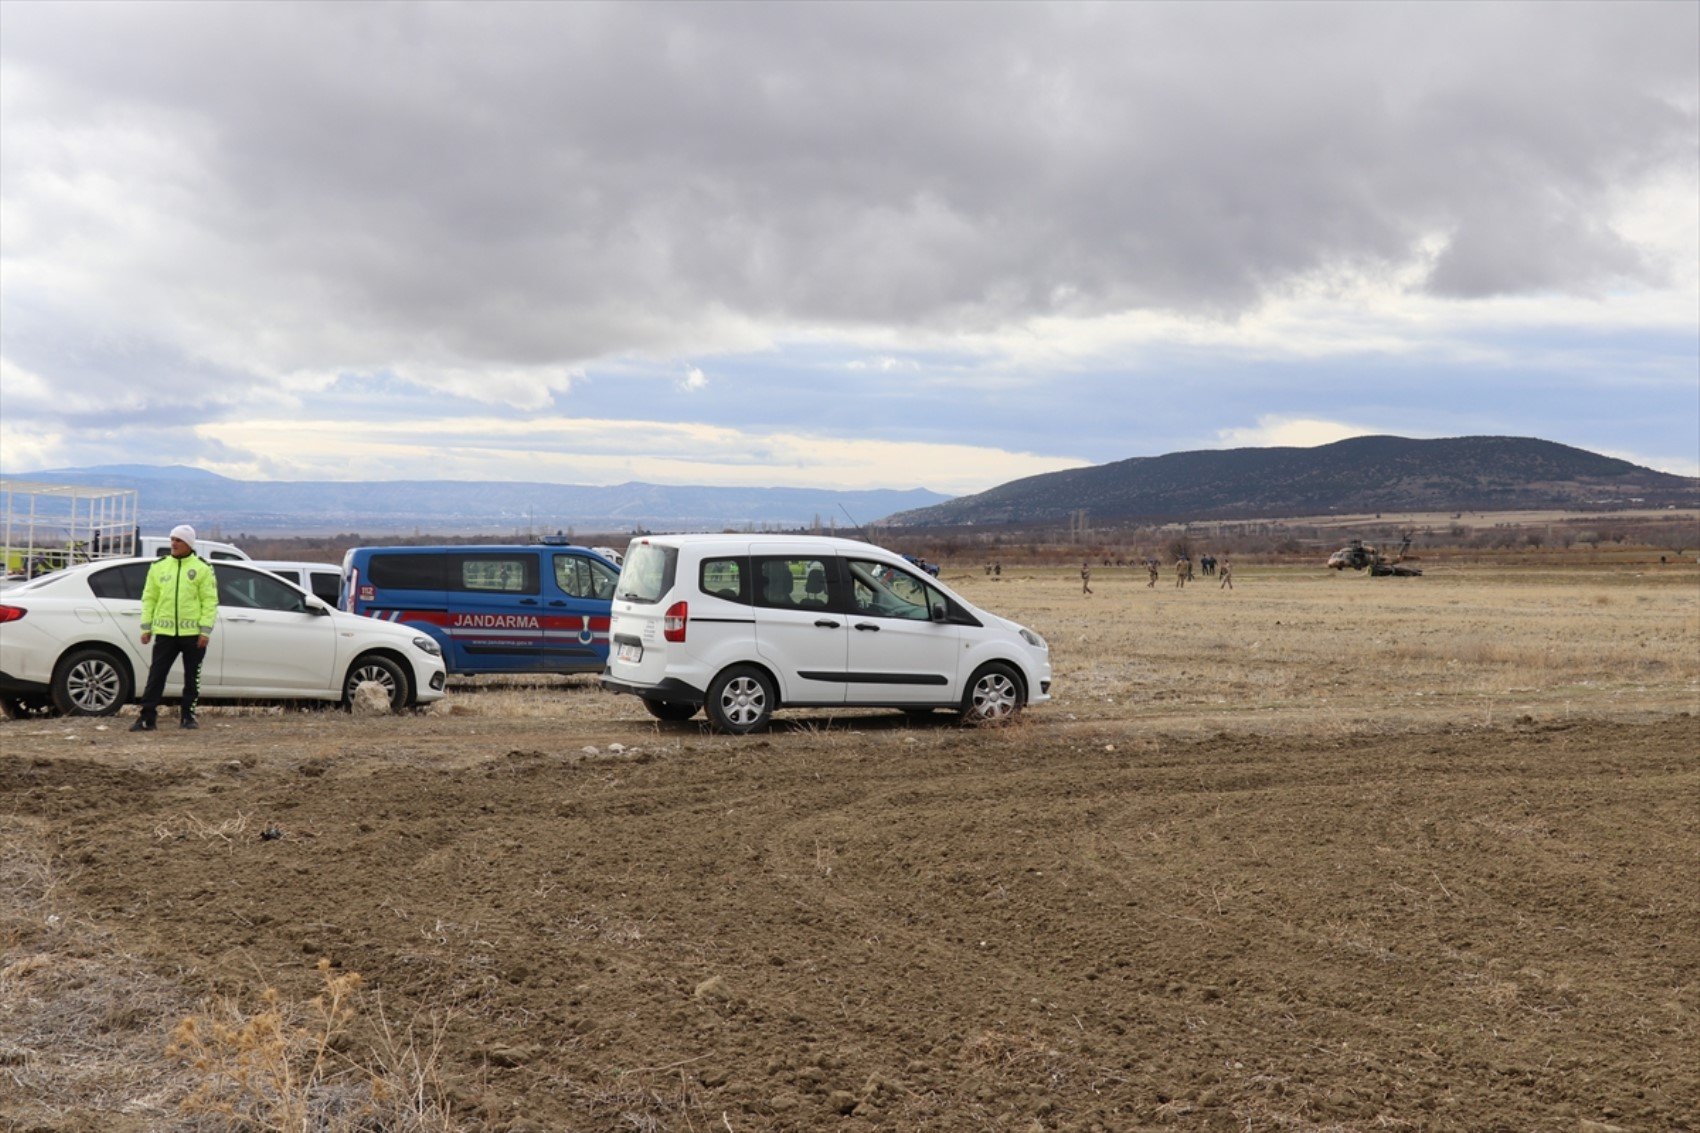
(179, 606)
(1226, 570)
(1086, 578)
(1151, 569)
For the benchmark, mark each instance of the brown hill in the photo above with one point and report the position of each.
(1363, 474)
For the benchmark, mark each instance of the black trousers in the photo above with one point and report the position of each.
(166, 650)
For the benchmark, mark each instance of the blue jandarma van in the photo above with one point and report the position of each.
(492, 609)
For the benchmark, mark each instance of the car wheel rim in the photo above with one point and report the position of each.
(92, 685)
(743, 701)
(372, 673)
(994, 697)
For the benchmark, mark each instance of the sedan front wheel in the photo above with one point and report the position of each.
(382, 671)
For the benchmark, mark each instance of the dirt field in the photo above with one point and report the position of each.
(1321, 853)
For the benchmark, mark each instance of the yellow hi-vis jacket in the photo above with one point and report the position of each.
(180, 597)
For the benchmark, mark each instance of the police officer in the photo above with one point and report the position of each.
(179, 606)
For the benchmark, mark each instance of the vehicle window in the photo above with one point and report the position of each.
(571, 575)
(252, 590)
(793, 584)
(406, 572)
(327, 586)
(120, 581)
(502, 574)
(725, 578)
(647, 573)
(584, 578)
(884, 591)
(226, 557)
(603, 581)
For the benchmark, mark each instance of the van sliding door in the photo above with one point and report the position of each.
(495, 617)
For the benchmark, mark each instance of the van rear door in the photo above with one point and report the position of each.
(403, 586)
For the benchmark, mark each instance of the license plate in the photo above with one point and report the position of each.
(628, 653)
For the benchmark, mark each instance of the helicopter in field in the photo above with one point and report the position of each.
(1359, 555)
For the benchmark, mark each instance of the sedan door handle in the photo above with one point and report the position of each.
(868, 626)
(241, 618)
(824, 623)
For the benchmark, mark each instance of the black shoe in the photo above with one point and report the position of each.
(143, 725)
(191, 723)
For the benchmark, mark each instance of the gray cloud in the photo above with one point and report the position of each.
(442, 185)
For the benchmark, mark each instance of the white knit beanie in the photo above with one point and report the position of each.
(184, 532)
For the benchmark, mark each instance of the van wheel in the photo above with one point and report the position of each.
(740, 700)
(377, 668)
(91, 682)
(993, 696)
(670, 710)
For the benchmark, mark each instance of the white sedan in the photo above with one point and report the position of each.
(72, 641)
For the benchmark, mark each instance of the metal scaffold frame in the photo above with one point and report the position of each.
(51, 526)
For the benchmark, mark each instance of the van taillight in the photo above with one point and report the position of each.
(673, 622)
(13, 613)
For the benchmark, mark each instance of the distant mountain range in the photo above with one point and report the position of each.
(1363, 474)
(176, 494)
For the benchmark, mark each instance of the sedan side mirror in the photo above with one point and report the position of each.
(317, 607)
(941, 612)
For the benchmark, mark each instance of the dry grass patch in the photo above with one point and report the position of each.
(82, 1022)
(283, 1064)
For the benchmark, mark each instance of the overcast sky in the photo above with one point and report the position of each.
(857, 245)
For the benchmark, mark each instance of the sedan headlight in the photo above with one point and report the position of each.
(1033, 639)
(426, 645)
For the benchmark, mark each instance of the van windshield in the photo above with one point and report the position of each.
(647, 573)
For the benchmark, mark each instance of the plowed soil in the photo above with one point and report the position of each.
(881, 926)
(860, 922)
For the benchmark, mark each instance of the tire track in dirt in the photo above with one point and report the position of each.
(1469, 929)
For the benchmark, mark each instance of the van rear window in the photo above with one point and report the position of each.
(647, 573)
(406, 572)
(725, 578)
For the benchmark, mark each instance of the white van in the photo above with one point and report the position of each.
(159, 546)
(745, 624)
(322, 580)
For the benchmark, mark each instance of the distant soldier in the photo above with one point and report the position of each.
(1151, 567)
(1227, 572)
(997, 569)
(1085, 578)
(1181, 573)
